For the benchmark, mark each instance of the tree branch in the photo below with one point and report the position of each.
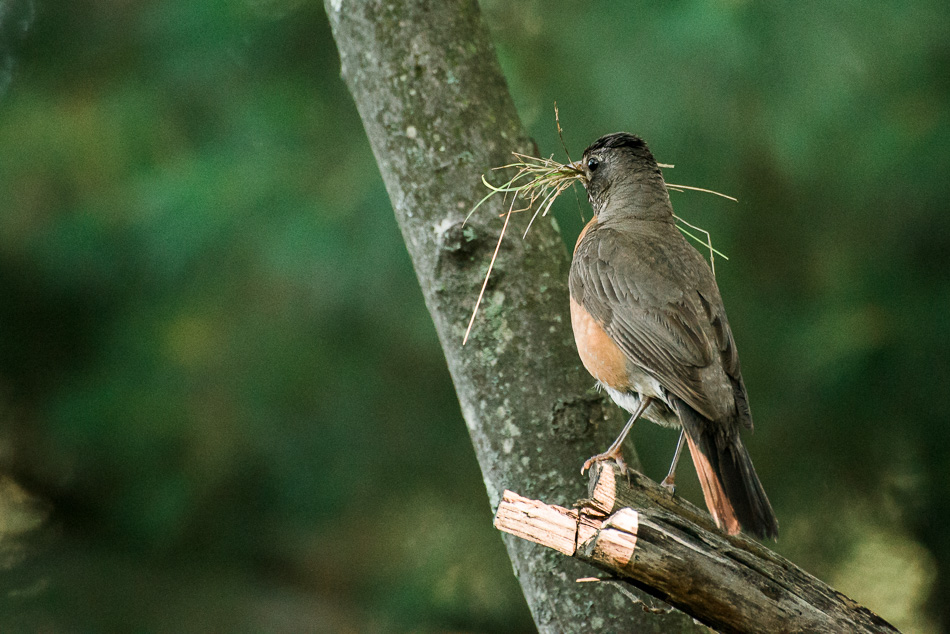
(438, 115)
(671, 549)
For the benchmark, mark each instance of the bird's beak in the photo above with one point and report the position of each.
(578, 167)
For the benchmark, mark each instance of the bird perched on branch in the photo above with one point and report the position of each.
(650, 326)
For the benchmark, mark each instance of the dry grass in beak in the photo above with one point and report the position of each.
(544, 179)
(537, 179)
(540, 179)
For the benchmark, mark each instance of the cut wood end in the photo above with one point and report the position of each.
(617, 540)
(545, 524)
(603, 487)
(587, 529)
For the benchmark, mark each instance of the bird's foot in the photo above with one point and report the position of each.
(669, 483)
(616, 456)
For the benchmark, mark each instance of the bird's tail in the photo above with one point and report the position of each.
(734, 495)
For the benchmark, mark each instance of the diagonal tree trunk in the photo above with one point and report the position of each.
(438, 115)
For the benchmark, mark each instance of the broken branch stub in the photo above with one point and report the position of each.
(672, 550)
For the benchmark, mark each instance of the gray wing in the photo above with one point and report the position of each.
(662, 307)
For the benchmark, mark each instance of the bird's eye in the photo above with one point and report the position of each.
(593, 164)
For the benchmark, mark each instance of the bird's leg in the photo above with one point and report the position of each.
(615, 452)
(669, 482)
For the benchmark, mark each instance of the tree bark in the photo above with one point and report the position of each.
(638, 532)
(438, 115)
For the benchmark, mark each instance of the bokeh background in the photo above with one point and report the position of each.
(218, 377)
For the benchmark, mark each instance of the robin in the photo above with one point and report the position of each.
(650, 326)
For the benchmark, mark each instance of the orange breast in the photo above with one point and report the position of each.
(599, 354)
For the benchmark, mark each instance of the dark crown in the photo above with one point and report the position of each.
(617, 140)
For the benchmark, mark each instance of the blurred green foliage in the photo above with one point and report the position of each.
(215, 361)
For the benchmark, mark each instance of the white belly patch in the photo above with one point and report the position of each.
(630, 401)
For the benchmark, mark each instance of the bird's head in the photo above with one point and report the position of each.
(621, 175)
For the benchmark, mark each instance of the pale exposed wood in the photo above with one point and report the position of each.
(551, 526)
(671, 549)
(616, 541)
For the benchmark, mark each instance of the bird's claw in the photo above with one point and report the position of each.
(603, 457)
(669, 484)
